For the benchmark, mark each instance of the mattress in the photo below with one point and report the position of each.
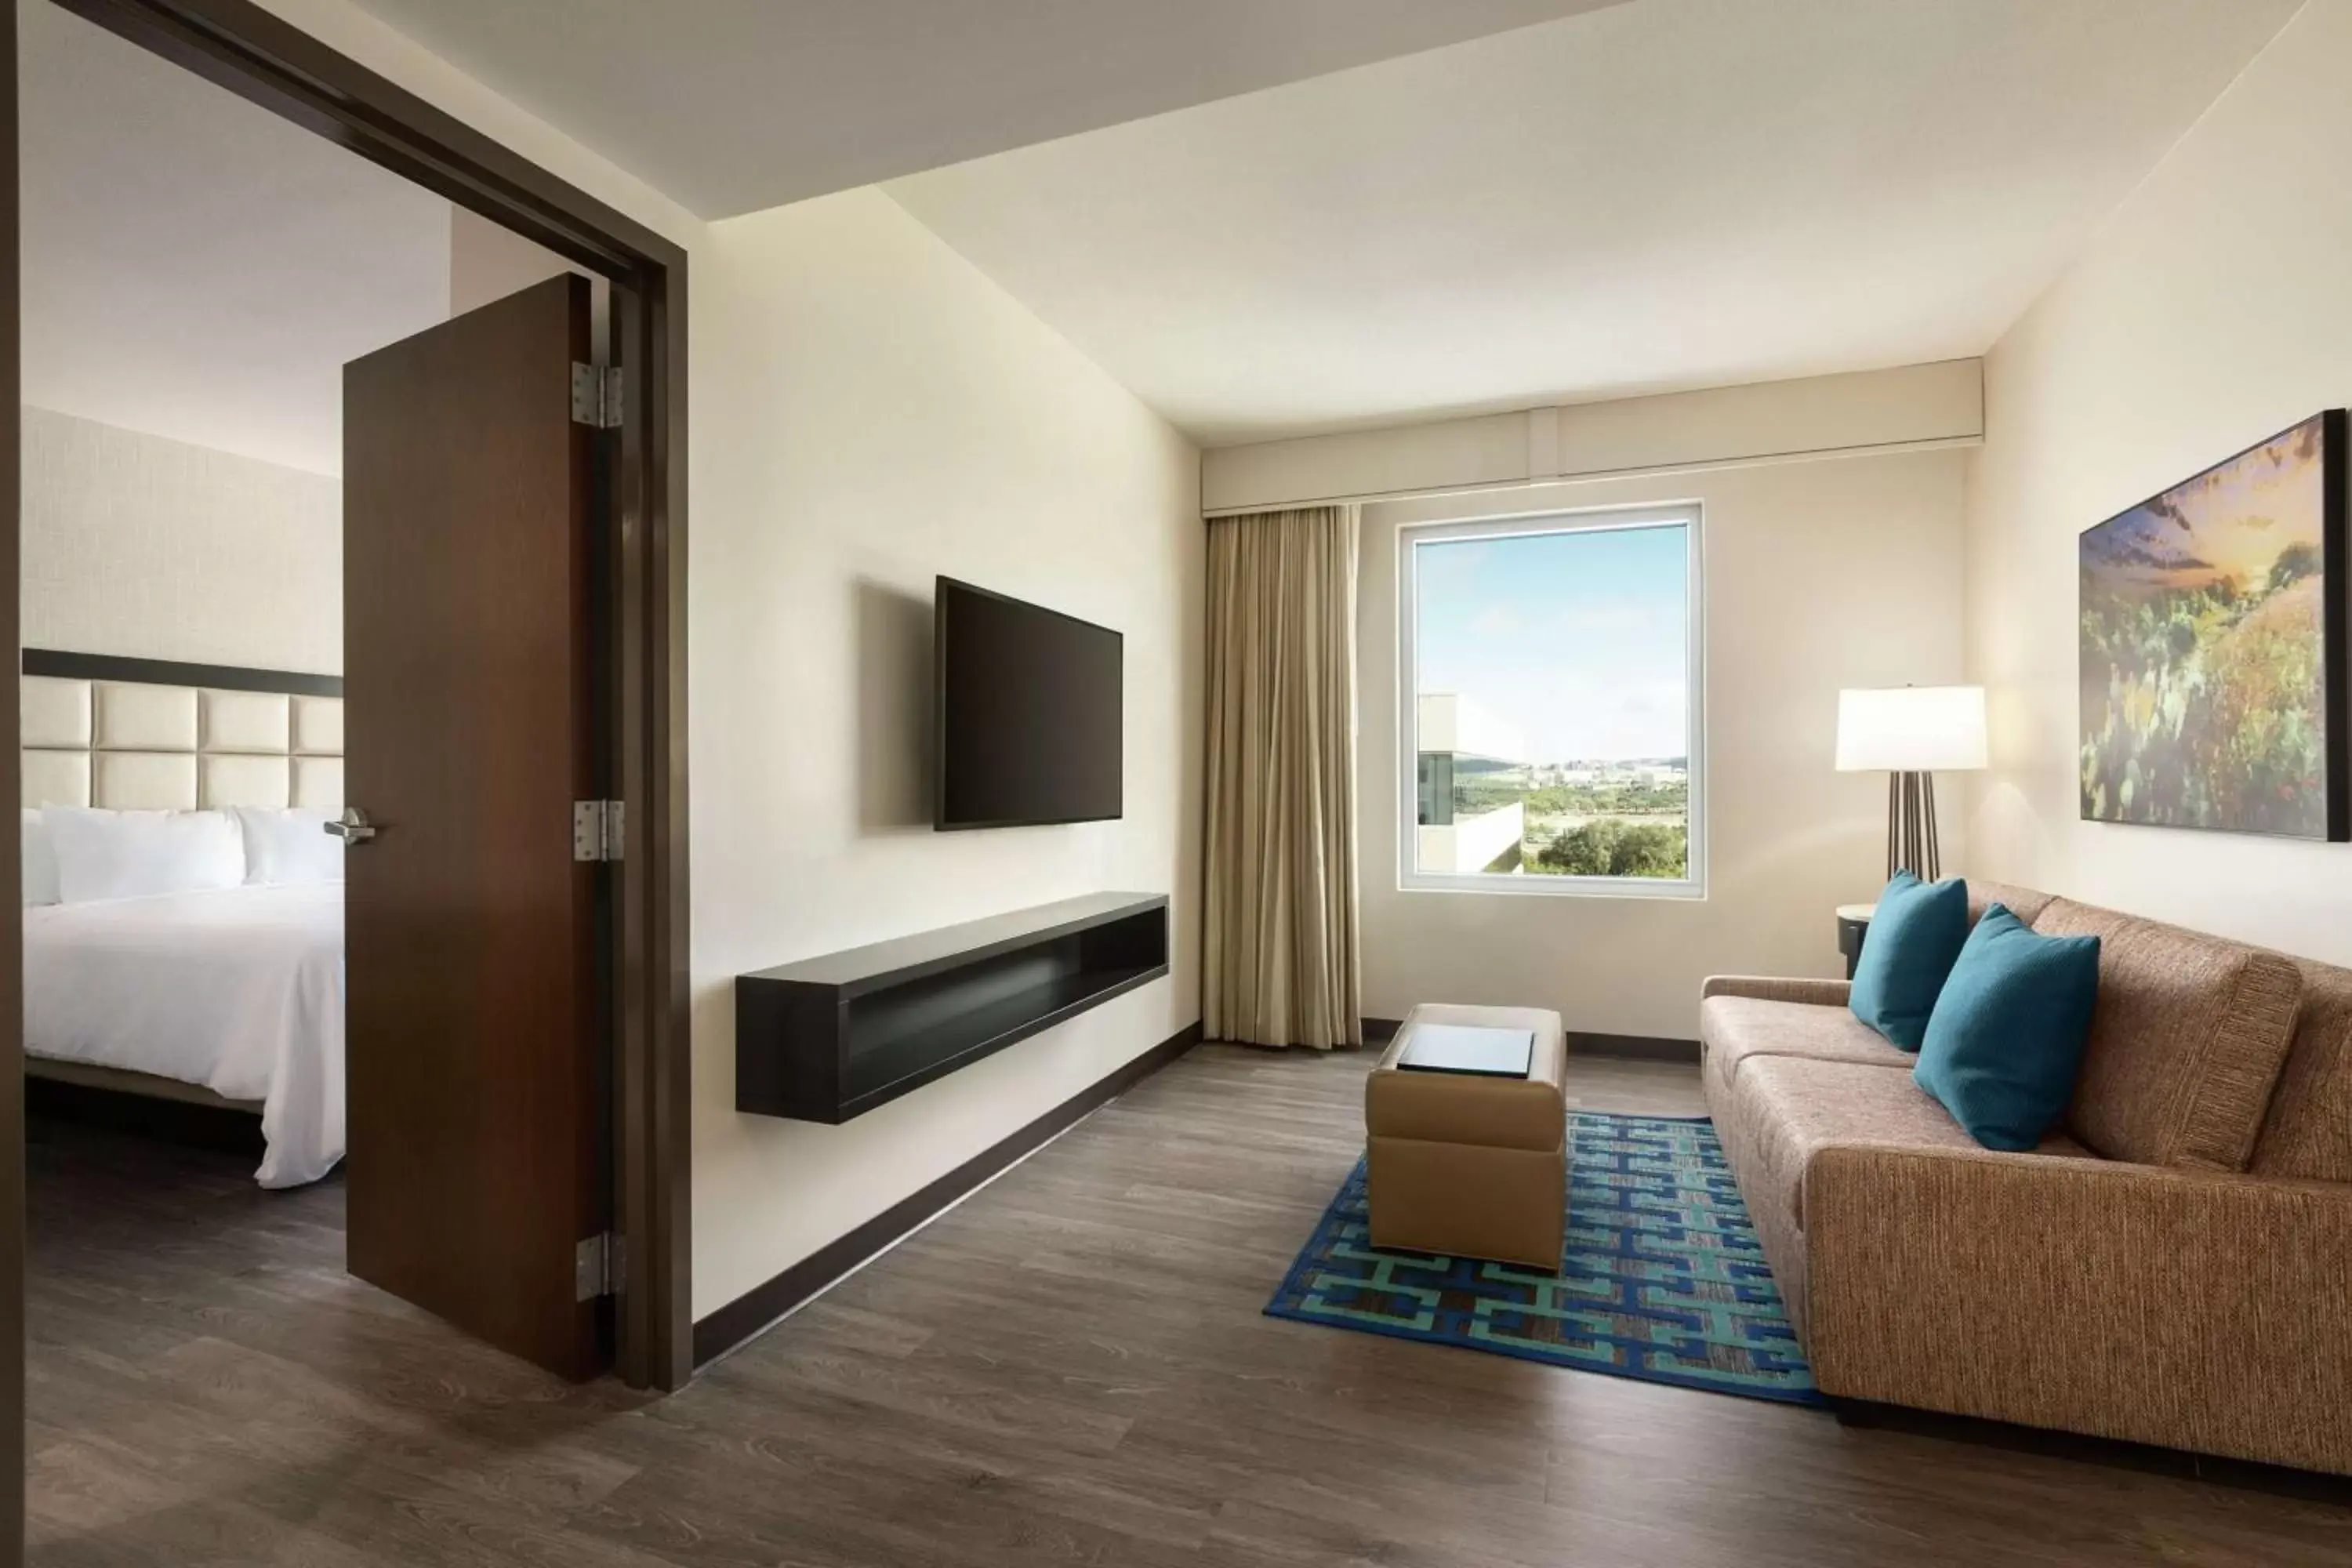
(239, 991)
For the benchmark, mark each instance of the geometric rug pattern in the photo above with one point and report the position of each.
(1662, 1279)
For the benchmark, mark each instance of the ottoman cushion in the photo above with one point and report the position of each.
(1460, 1108)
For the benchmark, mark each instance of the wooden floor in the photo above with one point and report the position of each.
(1069, 1368)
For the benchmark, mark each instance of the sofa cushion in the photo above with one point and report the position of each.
(2186, 1044)
(1776, 1225)
(2308, 1132)
(2006, 1041)
(1735, 1029)
(1915, 937)
(1793, 1108)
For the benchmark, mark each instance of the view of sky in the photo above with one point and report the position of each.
(1578, 640)
(2232, 520)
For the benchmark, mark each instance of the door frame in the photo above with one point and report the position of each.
(253, 53)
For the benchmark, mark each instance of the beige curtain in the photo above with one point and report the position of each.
(1284, 967)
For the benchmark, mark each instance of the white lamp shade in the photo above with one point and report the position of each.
(1911, 729)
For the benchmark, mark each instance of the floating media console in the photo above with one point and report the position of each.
(829, 1039)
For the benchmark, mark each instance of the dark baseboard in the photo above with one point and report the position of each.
(1638, 1048)
(1633, 1048)
(758, 1309)
(2248, 1475)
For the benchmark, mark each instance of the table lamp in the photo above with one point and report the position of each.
(1910, 733)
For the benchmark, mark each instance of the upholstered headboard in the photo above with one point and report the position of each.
(149, 734)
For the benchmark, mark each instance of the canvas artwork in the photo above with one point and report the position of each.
(2212, 624)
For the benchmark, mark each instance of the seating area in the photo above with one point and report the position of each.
(2167, 1267)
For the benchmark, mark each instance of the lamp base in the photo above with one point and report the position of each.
(1911, 827)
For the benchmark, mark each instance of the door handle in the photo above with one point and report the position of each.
(352, 828)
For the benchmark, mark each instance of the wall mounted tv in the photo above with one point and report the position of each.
(1029, 713)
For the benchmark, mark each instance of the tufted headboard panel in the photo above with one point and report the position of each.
(149, 734)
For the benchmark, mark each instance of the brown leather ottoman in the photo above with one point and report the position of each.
(1469, 1167)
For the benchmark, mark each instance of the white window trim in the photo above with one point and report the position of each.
(1687, 514)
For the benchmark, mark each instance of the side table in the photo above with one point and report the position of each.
(1854, 924)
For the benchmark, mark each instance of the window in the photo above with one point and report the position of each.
(1551, 723)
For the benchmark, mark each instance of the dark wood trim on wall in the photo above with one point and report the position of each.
(758, 1309)
(1636, 1047)
(256, 54)
(2335, 563)
(239, 46)
(173, 672)
(12, 923)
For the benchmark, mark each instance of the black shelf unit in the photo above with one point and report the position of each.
(832, 1038)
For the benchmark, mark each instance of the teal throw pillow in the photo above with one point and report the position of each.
(1913, 938)
(2006, 1039)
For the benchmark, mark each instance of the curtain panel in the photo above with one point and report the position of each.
(1281, 950)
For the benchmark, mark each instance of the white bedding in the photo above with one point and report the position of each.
(239, 990)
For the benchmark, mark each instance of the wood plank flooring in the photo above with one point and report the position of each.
(1069, 1368)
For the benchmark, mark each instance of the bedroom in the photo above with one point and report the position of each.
(196, 274)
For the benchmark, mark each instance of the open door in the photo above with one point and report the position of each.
(475, 1080)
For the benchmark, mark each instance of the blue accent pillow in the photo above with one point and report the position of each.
(2006, 1039)
(1913, 939)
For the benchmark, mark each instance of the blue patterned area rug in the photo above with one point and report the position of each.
(1664, 1278)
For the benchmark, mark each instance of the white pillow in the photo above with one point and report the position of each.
(290, 846)
(40, 862)
(131, 853)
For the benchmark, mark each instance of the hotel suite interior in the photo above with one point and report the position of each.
(1159, 782)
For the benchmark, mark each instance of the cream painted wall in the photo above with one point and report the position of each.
(138, 545)
(2210, 312)
(151, 548)
(1838, 572)
(880, 413)
(489, 261)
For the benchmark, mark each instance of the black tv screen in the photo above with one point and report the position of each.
(1029, 706)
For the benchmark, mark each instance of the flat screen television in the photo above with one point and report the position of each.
(1029, 713)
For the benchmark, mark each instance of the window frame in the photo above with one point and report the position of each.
(1689, 515)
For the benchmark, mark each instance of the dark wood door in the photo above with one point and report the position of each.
(474, 1087)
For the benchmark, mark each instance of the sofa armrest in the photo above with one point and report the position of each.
(1777, 988)
(2191, 1309)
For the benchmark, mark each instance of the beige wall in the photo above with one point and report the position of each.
(1839, 572)
(878, 414)
(150, 548)
(2210, 312)
(489, 261)
(142, 545)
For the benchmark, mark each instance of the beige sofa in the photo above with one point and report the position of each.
(2173, 1266)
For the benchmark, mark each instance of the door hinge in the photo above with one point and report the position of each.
(599, 830)
(598, 1264)
(596, 396)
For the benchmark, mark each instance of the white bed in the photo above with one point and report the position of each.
(237, 991)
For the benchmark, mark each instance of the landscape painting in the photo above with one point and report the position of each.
(2210, 627)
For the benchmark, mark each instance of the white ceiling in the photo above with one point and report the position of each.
(733, 106)
(195, 267)
(1666, 193)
